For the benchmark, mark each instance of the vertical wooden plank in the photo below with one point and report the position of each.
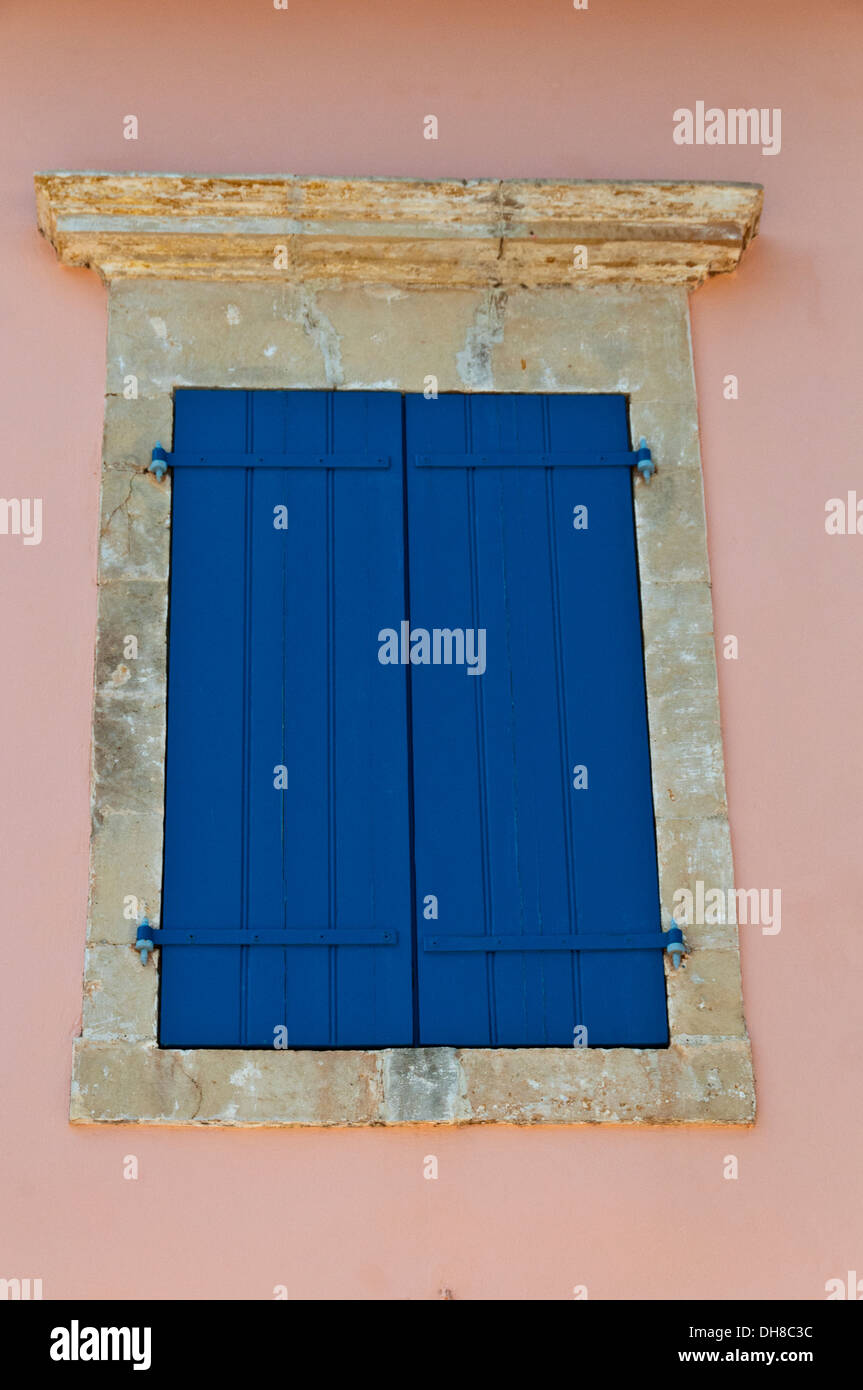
(265, 970)
(614, 844)
(371, 828)
(450, 792)
(534, 991)
(307, 839)
(205, 763)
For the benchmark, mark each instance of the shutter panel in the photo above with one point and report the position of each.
(273, 661)
(502, 838)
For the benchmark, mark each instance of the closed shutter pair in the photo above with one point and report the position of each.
(407, 755)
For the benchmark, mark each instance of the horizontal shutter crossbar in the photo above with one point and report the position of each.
(212, 936)
(638, 941)
(219, 458)
(557, 459)
(215, 458)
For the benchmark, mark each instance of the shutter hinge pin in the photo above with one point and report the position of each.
(676, 946)
(158, 462)
(144, 942)
(643, 460)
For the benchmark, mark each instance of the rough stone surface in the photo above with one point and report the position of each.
(708, 1083)
(420, 1085)
(128, 755)
(405, 231)
(136, 610)
(134, 539)
(686, 750)
(704, 996)
(140, 1083)
(675, 615)
(611, 339)
(672, 515)
(125, 862)
(690, 849)
(675, 421)
(218, 335)
(120, 996)
(122, 1083)
(133, 426)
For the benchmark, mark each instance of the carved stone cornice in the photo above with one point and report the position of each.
(408, 232)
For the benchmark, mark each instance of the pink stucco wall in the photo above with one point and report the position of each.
(520, 89)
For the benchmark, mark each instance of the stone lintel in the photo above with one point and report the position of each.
(405, 232)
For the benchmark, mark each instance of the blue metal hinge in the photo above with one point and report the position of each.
(144, 942)
(159, 462)
(676, 946)
(644, 460)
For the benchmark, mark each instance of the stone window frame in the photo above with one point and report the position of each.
(488, 285)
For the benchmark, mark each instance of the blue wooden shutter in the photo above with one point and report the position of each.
(273, 661)
(503, 840)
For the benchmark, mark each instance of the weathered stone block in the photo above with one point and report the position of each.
(134, 535)
(704, 996)
(120, 995)
(710, 1083)
(686, 754)
(175, 334)
(128, 756)
(123, 1082)
(139, 611)
(126, 861)
(678, 670)
(670, 428)
(392, 340)
(676, 616)
(132, 427)
(420, 1085)
(689, 850)
(670, 526)
(594, 340)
